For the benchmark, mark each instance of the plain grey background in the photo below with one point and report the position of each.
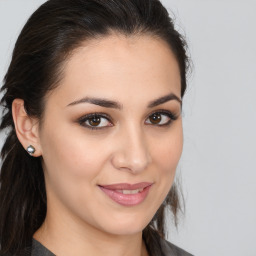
(217, 169)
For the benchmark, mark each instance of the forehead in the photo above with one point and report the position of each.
(119, 66)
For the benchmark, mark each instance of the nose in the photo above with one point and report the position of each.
(132, 152)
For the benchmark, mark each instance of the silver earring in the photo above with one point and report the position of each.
(31, 150)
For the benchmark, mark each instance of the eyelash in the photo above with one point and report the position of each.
(172, 117)
(85, 118)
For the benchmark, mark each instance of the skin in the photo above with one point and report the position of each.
(128, 148)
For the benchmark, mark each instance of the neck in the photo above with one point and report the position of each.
(72, 237)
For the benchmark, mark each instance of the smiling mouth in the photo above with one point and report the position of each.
(126, 194)
(129, 192)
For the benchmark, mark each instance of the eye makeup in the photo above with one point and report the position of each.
(161, 118)
(100, 120)
(96, 121)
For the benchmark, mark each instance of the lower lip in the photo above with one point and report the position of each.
(127, 199)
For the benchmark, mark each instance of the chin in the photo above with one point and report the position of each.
(125, 230)
(127, 225)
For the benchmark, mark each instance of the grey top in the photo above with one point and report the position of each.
(168, 249)
(39, 250)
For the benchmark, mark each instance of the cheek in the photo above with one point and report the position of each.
(72, 165)
(168, 151)
(69, 156)
(166, 155)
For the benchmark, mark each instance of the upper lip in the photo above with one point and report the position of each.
(127, 186)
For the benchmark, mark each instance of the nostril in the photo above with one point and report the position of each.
(132, 161)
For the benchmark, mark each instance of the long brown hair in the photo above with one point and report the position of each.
(49, 36)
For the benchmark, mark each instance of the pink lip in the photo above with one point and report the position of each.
(127, 199)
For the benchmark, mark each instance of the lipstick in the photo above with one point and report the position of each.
(127, 194)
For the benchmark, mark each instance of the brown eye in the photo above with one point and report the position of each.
(155, 118)
(160, 118)
(94, 121)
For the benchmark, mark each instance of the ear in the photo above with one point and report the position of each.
(27, 128)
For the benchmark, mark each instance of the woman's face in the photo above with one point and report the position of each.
(111, 137)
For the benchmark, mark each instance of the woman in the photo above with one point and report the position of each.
(92, 104)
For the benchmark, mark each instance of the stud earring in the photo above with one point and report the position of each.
(31, 150)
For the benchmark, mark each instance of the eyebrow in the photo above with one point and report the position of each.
(116, 105)
(163, 100)
(98, 101)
